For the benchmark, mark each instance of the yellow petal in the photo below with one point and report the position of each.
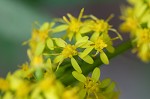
(86, 52)
(81, 13)
(78, 36)
(66, 20)
(110, 49)
(84, 29)
(82, 41)
(60, 28)
(110, 88)
(70, 35)
(45, 26)
(105, 83)
(104, 58)
(40, 47)
(96, 74)
(58, 59)
(60, 42)
(49, 64)
(87, 59)
(80, 77)
(75, 65)
(94, 36)
(50, 44)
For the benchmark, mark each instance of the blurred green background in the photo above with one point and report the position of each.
(17, 16)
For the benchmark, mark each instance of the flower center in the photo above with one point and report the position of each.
(100, 44)
(100, 26)
(90, 85)
(144, 36)
(69, 51)
(74, 26)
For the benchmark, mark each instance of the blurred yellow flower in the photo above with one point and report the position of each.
(74, 25)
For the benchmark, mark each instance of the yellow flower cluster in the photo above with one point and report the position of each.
(92, 88)
(137, 22)
(86, 37)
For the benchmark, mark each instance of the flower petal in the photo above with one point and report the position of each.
(110, 49)
(60, 28)
(94, 36)
(40, 47)
(75, 65)
(110, 88)
(104, 58)
(45, 26)
(87, 59)
(82, 41)
(86, 52)
(60, 42)
(105, 83)
(58, 59)
(96, 74)
(80, 77)
(50, 44)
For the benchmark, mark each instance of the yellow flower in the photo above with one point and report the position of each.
(74, 25)
(40, 37)
(98, 26)
(37, 61)
(98, 44)
(70, 94)
(69, 51)
(4, 84)
(129, 25)
(142, 40)
(91, 84)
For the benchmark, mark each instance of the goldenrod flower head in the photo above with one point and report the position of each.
(42, 33)
(74, 25)
(4, 84)
(137, 22)
(69, 51)
(99, 25)
(130, 24)
(37, 61)
(143, 36)
(99, 44)
(142, 40)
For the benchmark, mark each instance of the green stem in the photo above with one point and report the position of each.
(67, 77)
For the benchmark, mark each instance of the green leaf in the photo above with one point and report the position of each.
(40, 47)
(60, 28)
(96, 74)
(104, 58)
(105, 83)
(80, 77)
(50, 44)
(75, 65)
